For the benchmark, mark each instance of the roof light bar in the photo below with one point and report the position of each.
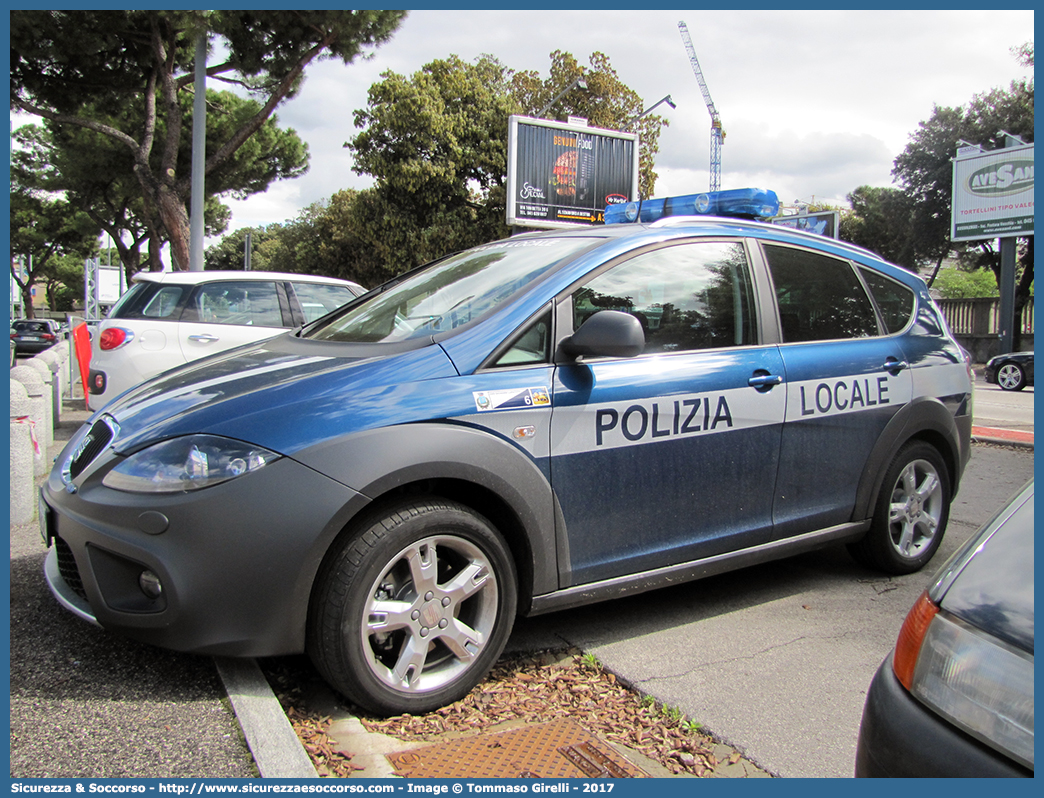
(756, 203)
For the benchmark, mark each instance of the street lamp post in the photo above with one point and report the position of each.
(579, 83)
(651, 108)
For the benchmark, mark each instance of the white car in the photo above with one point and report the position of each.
(168, 319)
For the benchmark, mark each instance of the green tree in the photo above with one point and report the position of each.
(436, 145)
(42, 231)
(229, 253)
(924, 169)
(83, 68)
(881, 220)
(324, 239)
(65, 281)
(956, 283)
(96, 175)
(925, 173)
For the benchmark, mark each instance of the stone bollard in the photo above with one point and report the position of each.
(53, 361)
(23, 456)
(39, 410)
(61, 352)
(50, 387)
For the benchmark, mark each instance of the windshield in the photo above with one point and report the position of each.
(453, 292)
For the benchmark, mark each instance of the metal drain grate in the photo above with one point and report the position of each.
(558, 749)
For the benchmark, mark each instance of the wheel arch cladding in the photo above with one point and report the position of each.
(925, 419)
(473, 467)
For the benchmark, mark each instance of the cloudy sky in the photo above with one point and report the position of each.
(814, 103)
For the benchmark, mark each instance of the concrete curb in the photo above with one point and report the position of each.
(274, 744)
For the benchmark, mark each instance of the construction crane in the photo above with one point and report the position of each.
(717, 136)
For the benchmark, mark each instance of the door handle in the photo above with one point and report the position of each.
(895, 366)
(763, 381)
(204, 338)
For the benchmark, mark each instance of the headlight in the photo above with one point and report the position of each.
(189, 463)
(978, 682)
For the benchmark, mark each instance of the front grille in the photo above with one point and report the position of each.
(97, 439)
(67, 568)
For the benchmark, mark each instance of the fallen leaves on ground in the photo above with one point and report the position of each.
(533, 688)
(312, 733)
(536, 688)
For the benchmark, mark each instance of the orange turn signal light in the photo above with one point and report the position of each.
(908, 646)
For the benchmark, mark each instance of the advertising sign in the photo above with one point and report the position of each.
(992, 194)
(110, 284)
(824, 223)
(564, 175)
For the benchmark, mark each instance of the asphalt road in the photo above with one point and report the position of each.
(1006, 409)
(775, 660)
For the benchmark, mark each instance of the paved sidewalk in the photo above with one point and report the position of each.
(1009, 437)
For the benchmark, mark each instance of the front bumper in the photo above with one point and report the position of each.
(900, 738)
(236, 561)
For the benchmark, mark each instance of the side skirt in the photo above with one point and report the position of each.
(621, 586)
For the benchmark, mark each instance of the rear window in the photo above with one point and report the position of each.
(894, 300)
(31, 327)
(150, 301)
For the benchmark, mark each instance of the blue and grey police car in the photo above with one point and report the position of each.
(537, 423)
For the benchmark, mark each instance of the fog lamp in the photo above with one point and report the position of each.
(150, 584)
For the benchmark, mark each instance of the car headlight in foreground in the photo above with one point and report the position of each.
(976, 681)
(955, 698)
(189, 463)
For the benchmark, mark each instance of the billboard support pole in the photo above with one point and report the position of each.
(1006, 319)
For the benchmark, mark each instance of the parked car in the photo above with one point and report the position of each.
(1012, 372)
(533, 424)
(168, 319)
(955, 698)
(32, 336)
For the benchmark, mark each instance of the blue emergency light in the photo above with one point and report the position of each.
(756, 203)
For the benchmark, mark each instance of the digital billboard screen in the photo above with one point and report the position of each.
(564, 175)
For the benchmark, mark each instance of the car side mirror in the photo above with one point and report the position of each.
(608, 333)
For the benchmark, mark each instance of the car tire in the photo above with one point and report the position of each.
(411, 612)
(1011, 377)
(910, 514)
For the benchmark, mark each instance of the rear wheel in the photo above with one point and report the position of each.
(911, 512)
(1011, 377)
(411, 613)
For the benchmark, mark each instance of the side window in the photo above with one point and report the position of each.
(317, 300)
(894, 300)
(820, 298)
(532, 346)
(688, 296)
(236, 302)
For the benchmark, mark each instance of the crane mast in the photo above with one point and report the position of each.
(717, 135)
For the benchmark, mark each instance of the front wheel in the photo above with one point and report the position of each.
(411, 613)
(1010, 377)
(911, 512)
